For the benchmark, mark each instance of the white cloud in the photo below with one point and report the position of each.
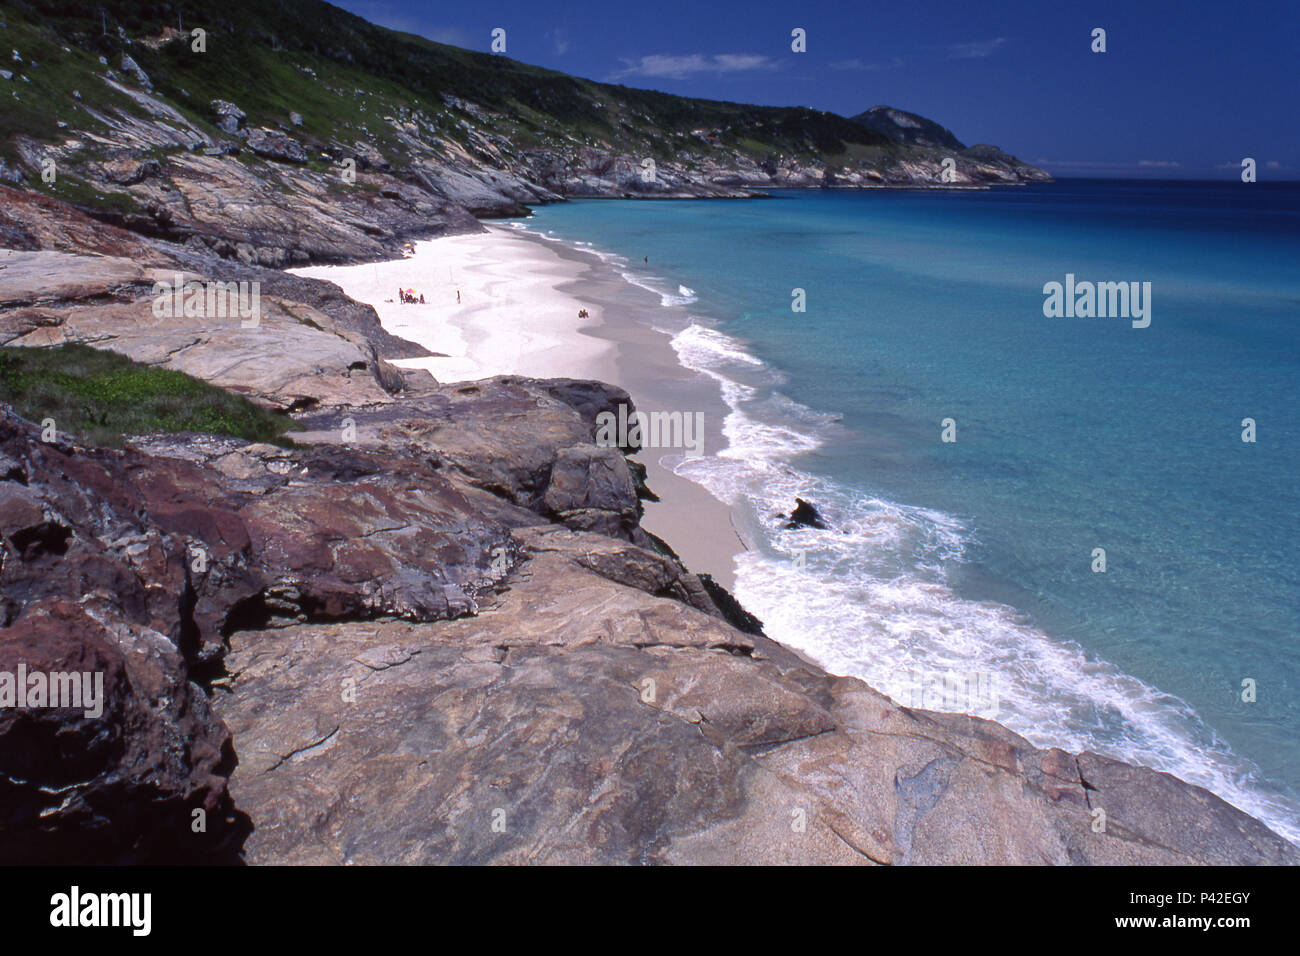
(980, 48)
(683, 66)
(559, 40)
(862, 65)
(1236, 164)
(1086, 164)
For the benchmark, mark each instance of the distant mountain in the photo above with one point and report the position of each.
(241, 146)
(900, 126)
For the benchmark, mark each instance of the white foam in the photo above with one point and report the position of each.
(873, 599)
(683, 296)
(854, 617)
(704, 349)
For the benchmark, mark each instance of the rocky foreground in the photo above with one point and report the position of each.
(434, 632)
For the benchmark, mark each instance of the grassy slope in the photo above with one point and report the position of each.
(258, 51)
(103, 396)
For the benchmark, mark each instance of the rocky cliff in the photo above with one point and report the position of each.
(431, 629)
(295, 132)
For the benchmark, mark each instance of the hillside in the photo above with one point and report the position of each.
(242, 146)
(900, 126)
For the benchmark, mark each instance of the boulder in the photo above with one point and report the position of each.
(129, 171)
(130, 66)
(273, 144)
(229, 116)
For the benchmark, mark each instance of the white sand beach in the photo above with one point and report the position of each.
(505, 302)
(492, 306)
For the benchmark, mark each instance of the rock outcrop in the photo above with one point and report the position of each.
(434, 631)
(125, 785)
(390, 651)
(804, 515)
(579, 719)
(275, 178)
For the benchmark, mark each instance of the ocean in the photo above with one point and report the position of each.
(966, 575)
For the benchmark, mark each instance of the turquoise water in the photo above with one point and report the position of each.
(952, 565)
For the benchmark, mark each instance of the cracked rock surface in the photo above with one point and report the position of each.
(579, 719)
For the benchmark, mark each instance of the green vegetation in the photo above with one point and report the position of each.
(102, 397)
(347, 78)
(74, 190)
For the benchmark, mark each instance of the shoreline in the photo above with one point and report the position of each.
(553, 660)
(519, 297)
(533, 286)
(491, 222)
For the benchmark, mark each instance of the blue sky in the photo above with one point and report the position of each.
(1184, 89)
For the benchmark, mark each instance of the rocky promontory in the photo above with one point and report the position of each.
(302, 134)
(430, 629)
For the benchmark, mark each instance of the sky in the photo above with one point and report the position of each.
(1184, 89)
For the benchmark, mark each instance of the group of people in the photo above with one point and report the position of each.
(411, 297)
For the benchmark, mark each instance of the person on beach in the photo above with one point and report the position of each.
(458, 296)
